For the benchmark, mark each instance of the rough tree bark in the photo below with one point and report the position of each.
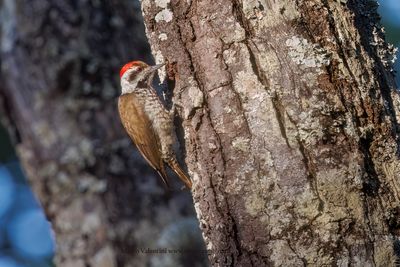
(290, 122)
(58, 90)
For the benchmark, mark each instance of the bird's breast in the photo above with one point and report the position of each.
(160, 117)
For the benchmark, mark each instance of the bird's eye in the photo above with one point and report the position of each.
(138, 69)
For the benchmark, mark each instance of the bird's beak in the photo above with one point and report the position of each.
(156, 67)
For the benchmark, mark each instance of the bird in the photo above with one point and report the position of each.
(146, 120)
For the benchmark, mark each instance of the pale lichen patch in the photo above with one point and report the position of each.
(350, 127)
(307, 55)
(196, 97)
(241, 143)
(269, 60)
(164, 15)
(230, 56)
(307, 204)
(212, 146)
(159, 58)
(392, 170)
(237, 34)
(383, 251)
(254, 204)
(162, 3)
(246, 176)
(245, 82)
(308, 128)
(269, 14)
(283, 255)
(254, 9)
(227, 110)
(234, 187)
(279, 217)
(163, 36)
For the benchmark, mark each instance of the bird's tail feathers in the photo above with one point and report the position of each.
(173, 163)
(164, 176)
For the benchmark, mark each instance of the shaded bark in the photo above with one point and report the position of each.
(290, 122)
(59, 84)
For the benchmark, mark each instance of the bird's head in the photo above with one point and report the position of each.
(134, 72)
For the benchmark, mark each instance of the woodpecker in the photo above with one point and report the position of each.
(148, 123)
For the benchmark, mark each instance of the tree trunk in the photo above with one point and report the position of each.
(290, 123)
(58, 96)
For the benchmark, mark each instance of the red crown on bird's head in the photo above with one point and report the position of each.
(131, 64)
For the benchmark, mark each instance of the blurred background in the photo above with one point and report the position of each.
(107, 205)
(59, 87)
(390, 18)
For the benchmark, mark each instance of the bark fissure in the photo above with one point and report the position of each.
(371, 180)
(238, 98)
(185, 43)
(312, 178)
(279, 109)
(303, 260)
(369, 247)
(256, 65)
(237, 8)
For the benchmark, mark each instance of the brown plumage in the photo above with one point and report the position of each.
(146, 121)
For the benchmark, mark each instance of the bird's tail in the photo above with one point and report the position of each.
(164, 176)
(173, 163)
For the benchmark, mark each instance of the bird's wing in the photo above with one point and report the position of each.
(140, 130)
